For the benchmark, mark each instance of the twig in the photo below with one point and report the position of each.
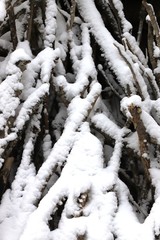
(112, 88)
(72, 14)
(150, 42)
(151, 78)
(116, 16)
(30, 20)
(132, 70)
(137, 206)
(153, 19)
(10, 12)
(140, 27)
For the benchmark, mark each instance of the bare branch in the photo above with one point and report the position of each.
(12, 23)
(30, 20)
(72, 13)
(143, 138)
(153, 19)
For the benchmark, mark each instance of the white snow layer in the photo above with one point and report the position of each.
(50, 22)
(106, 41)
(102, 217)
(80, 175)
(2, 10)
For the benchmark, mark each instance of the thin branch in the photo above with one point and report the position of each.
(12, 23)
(141, 24)
(153, 19)
(116, 16)
(4, 174)
(143, 138)
(72, 14)
(150, 42)
(130, 65)
(30, 20)
(108, 82)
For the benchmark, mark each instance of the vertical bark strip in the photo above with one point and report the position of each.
(143, 139)
(30, 20)
(12, 24)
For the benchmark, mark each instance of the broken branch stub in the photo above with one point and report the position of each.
(143, 138)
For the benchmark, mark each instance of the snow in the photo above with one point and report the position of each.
(106, 125)
(106, 41)
(45, 60)
(2, 10)
(8, 98)
(24, 46)
(97, 204)
(133, 142)
(42, 64)
(22, 53)
(50, 23)
(29, 105)
(5, 44)
(126, 213)
(47, 145)
(156, 52)
(151, 126)
(126, 102)
(84, 68)
(91, 157)
(134, 230)
(83, 164)
(59, 121)
(22, 6)
(119, 7)
(13, 216)
(134, 47)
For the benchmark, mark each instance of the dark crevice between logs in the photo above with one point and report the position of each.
(12, 157)
(55, 217)
(33, 34)
(108, 14)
